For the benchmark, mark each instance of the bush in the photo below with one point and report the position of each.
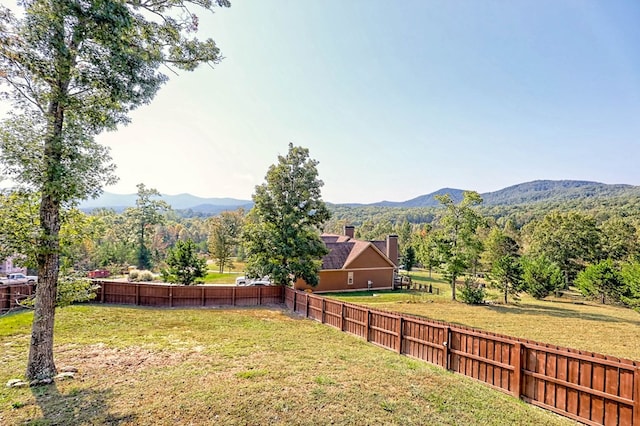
(472, 293)
(138, 275)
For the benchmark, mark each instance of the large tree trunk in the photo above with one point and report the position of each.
(41, 364)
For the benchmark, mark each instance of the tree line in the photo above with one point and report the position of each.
(600, 257)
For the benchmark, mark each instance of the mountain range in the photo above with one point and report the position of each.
(524, 193)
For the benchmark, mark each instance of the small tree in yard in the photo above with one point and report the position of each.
(602, 280)
(540, 276)
(409, 257)
(185, 266)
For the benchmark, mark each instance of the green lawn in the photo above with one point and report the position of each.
(589, 326)
(235, 366)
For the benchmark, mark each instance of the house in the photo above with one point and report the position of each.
(353, 264)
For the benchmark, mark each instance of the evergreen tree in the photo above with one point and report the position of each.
(184, 264)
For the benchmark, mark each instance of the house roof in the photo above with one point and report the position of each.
(344, 250)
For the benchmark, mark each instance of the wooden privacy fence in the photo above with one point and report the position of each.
(167, 295)
(10, 294)
(591, 388)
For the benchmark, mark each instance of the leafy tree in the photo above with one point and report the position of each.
(540, 276)
(458, 243)
(619, 240)
(630, 273)
(147, 213)
(115, 247)
(224, 236)
(409, 257)
(282, 235)
(184, 264)
(74, 69)
(569, 239)
(503, 262)
(427, 247)
(602, 280)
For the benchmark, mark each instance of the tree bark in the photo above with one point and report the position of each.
(41, 364)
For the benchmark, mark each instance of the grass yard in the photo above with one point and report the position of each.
(589, 326)
(235, 366)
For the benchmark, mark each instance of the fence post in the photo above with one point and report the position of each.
(137, 294)
(367, 325)
(636, 396)
(202, 297)
(447, 344)
(400, 335)
(341, 316)
(295, 294)
(102, 291)
(170, 296)
(306, 309)
(517, 372)
(233, 297)
(259, 296)
(322, 312)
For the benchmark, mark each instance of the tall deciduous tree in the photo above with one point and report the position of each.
(459, 244)
(74, 69)
(224, 236)
(569, 239)
(149, 211)
(282, 234)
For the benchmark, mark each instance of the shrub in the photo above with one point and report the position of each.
(472, 293)
(145, 276)
(134, 275)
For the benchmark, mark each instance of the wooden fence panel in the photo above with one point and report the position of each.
(484, 357)
(152, 295)
(384, 330)
(186, 296)
(356, 320)
(333, 313)
(314, 308)
(11, 294)
(424, 341)
(120, 293)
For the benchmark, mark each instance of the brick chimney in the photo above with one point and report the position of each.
(392, 248)
(349, 231)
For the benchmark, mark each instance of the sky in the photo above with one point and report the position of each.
(397, 99)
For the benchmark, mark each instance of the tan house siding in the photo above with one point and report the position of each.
(337, 280)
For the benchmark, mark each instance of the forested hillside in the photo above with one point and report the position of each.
(519, 204)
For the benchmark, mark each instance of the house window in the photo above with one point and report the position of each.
(350, 278)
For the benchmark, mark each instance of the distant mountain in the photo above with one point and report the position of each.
(556, 190)
(119, 202)
(524, 193)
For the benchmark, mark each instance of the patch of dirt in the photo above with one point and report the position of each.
(116, 361)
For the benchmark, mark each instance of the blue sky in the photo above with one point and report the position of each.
(397, 99)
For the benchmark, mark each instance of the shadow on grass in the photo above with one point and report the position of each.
(78, 406)
(559, 312)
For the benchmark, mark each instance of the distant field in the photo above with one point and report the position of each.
(589, 326)
(238, 366)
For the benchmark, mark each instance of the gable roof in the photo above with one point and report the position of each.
(344, 250)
